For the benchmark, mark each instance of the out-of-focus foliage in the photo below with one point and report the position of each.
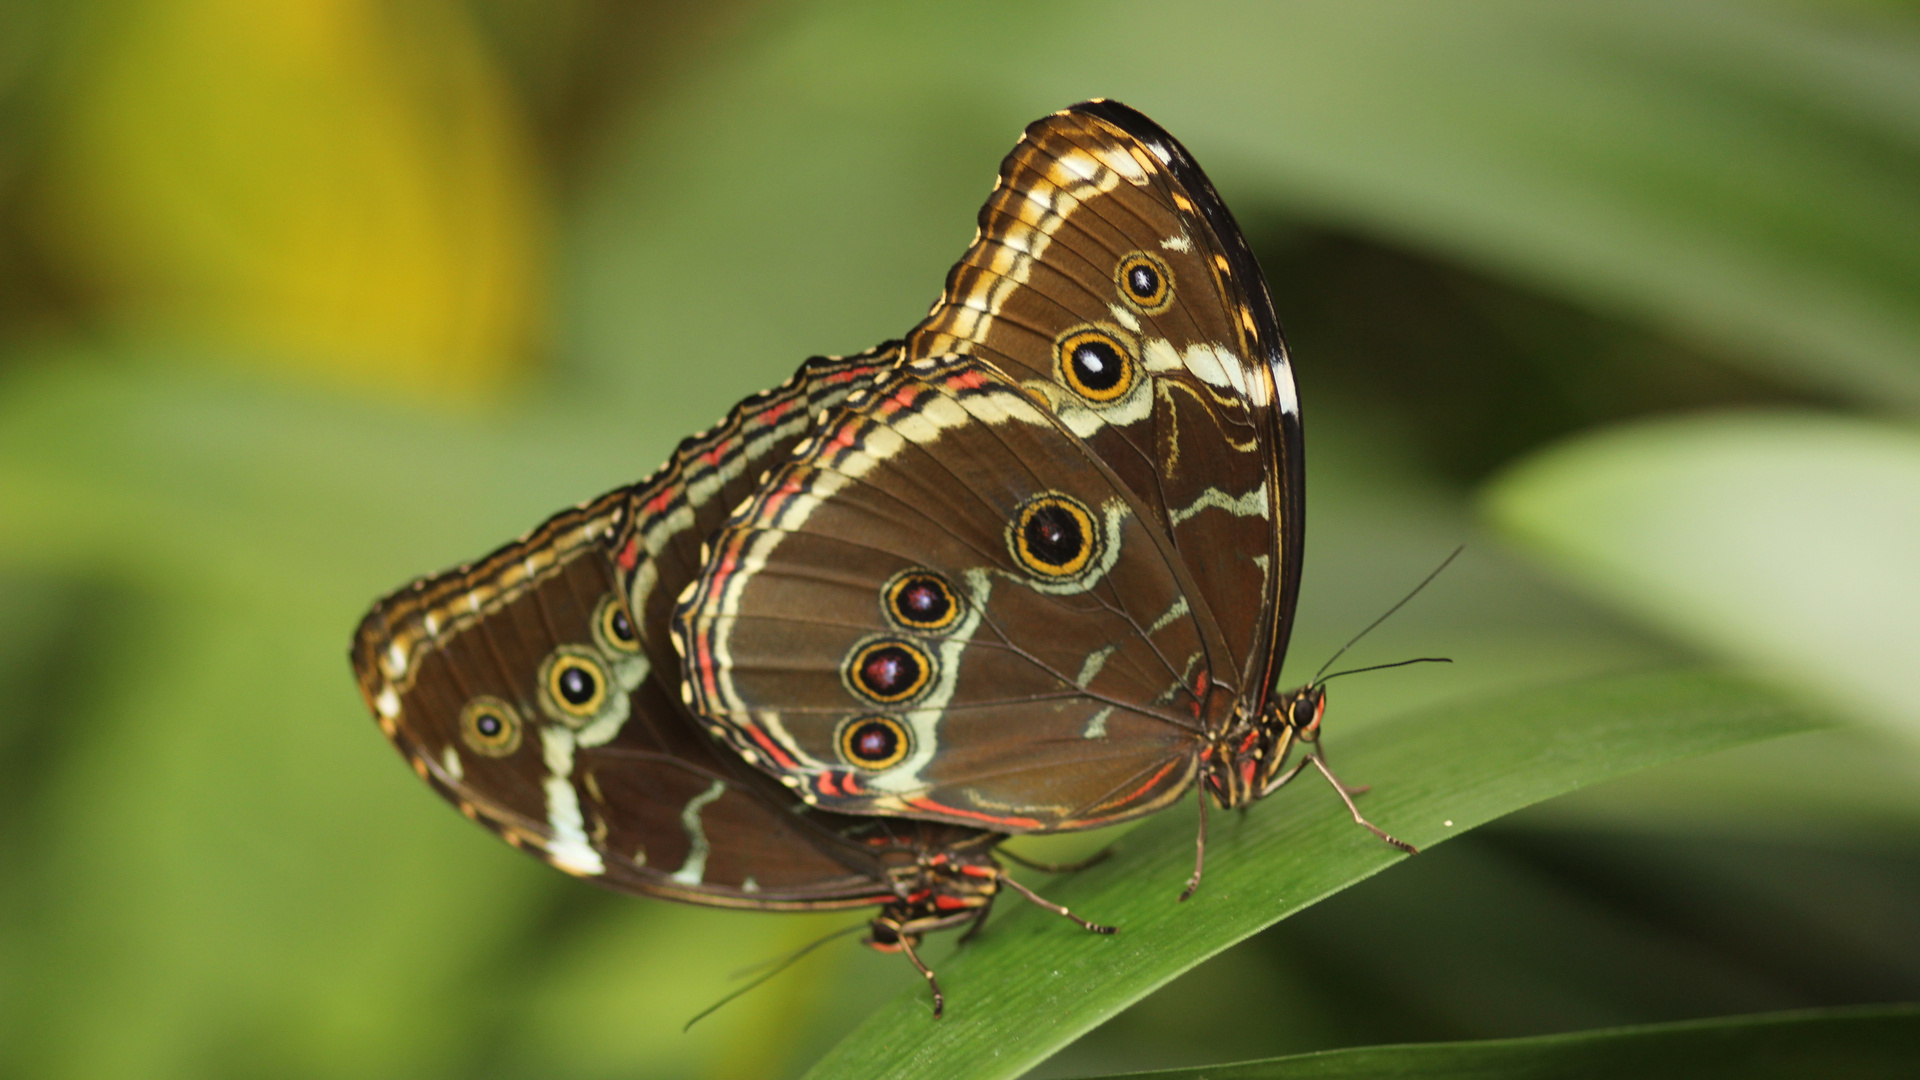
(1786, 541)
(260, 263)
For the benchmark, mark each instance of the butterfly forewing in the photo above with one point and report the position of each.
(1108, 278)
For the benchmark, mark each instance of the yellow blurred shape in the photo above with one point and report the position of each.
(332, 187)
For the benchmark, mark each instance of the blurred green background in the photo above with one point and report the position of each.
(300, 300)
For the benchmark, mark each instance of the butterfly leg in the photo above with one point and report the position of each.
(1060, 868)
(1343, 790)
(1356, 789)
(1009, 882)
(1199, 849)
(1283, 778)
(979, 922)
(933, 984)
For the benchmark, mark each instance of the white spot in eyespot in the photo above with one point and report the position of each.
(694, 869)
(1182, 243)
(450, 762)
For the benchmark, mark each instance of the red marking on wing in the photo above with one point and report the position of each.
(967, 380)
(1017, 822)
(771, 749)
(659, 503)
(1152, 781)
(629, 556)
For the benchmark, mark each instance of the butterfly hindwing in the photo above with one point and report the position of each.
(524, 690)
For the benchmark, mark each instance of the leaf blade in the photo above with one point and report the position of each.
(1465, 765)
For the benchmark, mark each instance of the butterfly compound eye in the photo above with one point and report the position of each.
(920, 600)
(874, 742)
(1146, 282)
(1053, 536)
(1095, 364)
(490, 727)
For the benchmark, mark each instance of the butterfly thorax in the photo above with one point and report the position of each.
(935, 890)
(1247, 761)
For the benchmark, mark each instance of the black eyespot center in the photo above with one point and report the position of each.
(490, 727)
(574, 683)
(1095, 363)
(1054, 536)
(889, 671)
(874, 742)
(613, 627)
(920, 600)
(1146, 282)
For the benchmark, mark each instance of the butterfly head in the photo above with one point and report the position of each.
(1303, 709)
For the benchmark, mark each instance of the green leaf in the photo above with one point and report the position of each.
(1839, 1045)
(1033, 983)
(1783, 541)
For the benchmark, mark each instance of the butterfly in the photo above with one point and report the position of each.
(1039, 575)
(537, 690)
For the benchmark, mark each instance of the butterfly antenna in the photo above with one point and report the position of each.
(1382, 667)
(774, 967)
(1444, 563)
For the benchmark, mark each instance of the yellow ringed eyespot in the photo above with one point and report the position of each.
(613, 628)
(1095, 363)
(920, 600)
(888, 670)
(490, 727)
(574, 682)
(873, 742)
(1146, 282)
(1053, 535)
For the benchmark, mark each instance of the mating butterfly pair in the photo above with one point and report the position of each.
(1031, 569)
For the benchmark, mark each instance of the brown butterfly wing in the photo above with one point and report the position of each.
(946, 607)
(523, 691)
(1108, 278)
